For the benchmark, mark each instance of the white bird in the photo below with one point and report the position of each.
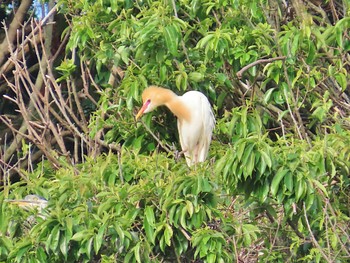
(195, 119)
(30, 201)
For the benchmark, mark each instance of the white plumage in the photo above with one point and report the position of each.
(195, 119)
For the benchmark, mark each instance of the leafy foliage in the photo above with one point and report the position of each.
(275, 187)
(111, 210)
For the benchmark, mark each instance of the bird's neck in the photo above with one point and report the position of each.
(179, 108)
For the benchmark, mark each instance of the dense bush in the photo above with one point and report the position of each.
(275, 186)
(114, 210)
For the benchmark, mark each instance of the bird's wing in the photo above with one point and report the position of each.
(195, 136)
(208, 124)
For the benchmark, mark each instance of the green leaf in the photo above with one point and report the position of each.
(320, 186)
(137, 254)
(171, 215)
(276, 180)
(171, 39)
(183, 217)
(149, 230)
(163, 73)
(300, 189)
(240, 149)
(249, 166)
(288, 181)
(178, 81)
(295, 44)
(266, 158)
(220, 99)
(53, 238)
(211, 258)
(168, 233)
(189, 207)
(120, 232)
(150, 215)
(311, 54)
(263, 191)
(203, 42)
(69, 228)
(272, 211)
(41, 255)
(247, 153)
(88, 246)
(6, 242)
(195, 76)
(334, 240)
(309, 200)
(267, 96)
(249, 234)
(79, 236)
(339, 36)
(148, 224)
(98, 240)
(23, 248)
(341, 79)
(64, 246)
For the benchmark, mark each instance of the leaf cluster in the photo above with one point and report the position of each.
(112, 210)
(276, 185)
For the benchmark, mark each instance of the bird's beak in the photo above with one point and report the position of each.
(142, 110)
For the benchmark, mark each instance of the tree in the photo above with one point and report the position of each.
(276, 73)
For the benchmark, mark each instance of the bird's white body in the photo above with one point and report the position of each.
(195, 134)
(195, 119)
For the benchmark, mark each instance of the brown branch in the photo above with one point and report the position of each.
(22, 77)
(156, 138)
(49, 115)
(260, 61)
(301, 12)
(61, 47)
(292, 107)
(38, 84)
(7, 44)
(313, 239)
(319, 10)
(295, 229)
(48, 33)
(8, 65)
(62, 106)
(27, 39)
(84, 125)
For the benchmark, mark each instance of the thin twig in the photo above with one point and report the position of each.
(174, 7)
(156, 138)
(120, 166)
(313, 239)
(31, 35)
(334, 226)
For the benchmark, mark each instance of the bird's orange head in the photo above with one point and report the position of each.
(153, 97)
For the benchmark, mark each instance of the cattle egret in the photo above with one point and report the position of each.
(30, 201)
(195, 119)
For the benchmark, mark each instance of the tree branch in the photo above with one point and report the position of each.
(7, 44)
(260, 61)
(313, 239)
(156, 138)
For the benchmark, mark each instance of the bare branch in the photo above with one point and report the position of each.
(239, 74)
(156, 138)
(313, 239)
(7, 44)
(27, 39)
